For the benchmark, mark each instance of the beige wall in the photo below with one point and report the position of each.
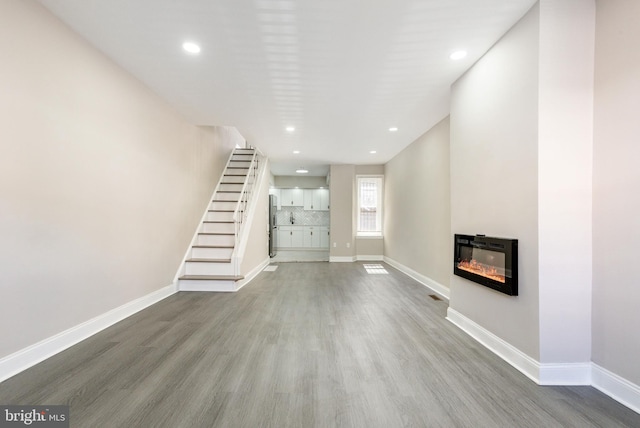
(494, 191)
(616, 180)
(341, 199)
(257, 249)
(289, 182)
(417, 227)
(102, 184)
(342, 194)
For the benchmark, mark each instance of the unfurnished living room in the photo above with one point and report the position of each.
(288, 213)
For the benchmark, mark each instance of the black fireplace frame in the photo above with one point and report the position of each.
(509, 247)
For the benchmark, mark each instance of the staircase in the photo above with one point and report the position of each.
(213, 262)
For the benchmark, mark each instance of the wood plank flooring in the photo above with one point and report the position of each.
(308, 345)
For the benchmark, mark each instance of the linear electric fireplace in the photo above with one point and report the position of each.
(489, 261)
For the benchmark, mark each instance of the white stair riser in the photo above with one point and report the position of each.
(217, 205)
(242, 163)
(219, 216)
(218, 228)
(234, 179)
(211, 253)
(244, 157)
(222, 196)
(218, 240)
(192, 285)
(233, 187)
(204, 268)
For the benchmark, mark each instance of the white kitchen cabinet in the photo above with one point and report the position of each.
(312, 236)
(323, 199)
(297, 237)
(324, 237)
(276, 192)
(284, 237)
(316, 199)
(308, 198)
(292, 197)
(291, 236)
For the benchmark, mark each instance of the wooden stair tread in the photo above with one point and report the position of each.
(221, 211)
(229, 191)
(212, 277)
(209, 260)
(213, 221)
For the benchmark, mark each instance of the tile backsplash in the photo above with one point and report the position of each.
(302, 217)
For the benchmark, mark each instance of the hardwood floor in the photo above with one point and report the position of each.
(308, 345)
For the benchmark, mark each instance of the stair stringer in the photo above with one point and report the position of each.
(194, 238)
(240, 249)
(230, 278)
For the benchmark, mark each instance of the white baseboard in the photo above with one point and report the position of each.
(424, 280)
(616, 387)
(365, 258)
(542, 374)
(13, 364)
(253, 273)
(512, 355)
(342, 259)
(564, 374)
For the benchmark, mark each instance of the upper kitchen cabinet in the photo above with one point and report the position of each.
(316, 199)
(291, 197)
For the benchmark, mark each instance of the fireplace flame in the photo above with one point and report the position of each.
(481, 269)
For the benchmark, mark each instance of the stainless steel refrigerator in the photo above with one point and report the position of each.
(273, 228)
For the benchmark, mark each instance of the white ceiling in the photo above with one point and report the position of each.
(340, 71)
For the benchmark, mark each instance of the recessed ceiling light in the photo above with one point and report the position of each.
(302, 171)
(296, 152)
(373, 152)
(290, 128)
(191, 47)
(393, 129)
(458, 55)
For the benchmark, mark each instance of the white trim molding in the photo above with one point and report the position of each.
(422, 279)
(19, 361)
(564, 374)
(542, 374)
(512, 355)
(253, 273)
(616, 387)
(342, 259)
(363, 258)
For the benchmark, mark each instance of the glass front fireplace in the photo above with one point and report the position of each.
(489, 261)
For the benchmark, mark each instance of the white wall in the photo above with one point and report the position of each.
(494, 190)
(101, 183)
(564, 179)
(417, 221)
(616, 198)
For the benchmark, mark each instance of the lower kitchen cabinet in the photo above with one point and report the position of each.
(303, 237)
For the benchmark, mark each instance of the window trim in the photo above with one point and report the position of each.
(379, 207)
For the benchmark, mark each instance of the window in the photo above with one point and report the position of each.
(369, 205)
